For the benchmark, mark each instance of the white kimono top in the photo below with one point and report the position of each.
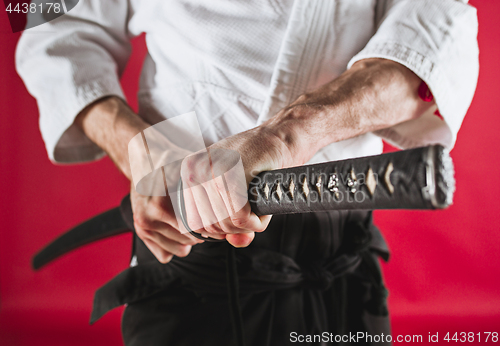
(236, 63)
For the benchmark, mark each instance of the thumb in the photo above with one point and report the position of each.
(240, 239)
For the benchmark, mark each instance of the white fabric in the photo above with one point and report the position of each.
(236, 63)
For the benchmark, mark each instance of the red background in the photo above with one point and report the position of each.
(444, 274)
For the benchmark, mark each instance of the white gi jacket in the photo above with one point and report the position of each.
(236, 63)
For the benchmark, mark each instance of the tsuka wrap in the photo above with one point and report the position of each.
(420, 178)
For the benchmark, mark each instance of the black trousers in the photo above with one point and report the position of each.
(309, 277)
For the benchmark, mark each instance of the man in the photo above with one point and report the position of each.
(282, 83)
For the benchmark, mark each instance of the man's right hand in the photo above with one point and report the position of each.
(111, 124)
(155, 224)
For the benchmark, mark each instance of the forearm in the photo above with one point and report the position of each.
(373, 94)
(111, 124)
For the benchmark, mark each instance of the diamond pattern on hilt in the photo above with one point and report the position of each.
(387, 177)
(279, 193)
(352, 182)
(266, 191)
(305, 188)
(371, 181)
(333, 185)
(319, 184)
(291, 188)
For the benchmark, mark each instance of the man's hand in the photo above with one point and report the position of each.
(216, 183)
(156, 225)
(111, 124)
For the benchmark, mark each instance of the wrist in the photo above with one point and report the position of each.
(296, 128)
(111, 124)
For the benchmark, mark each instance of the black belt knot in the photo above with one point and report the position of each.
(317, 276)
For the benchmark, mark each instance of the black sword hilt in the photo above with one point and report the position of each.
(421, 178)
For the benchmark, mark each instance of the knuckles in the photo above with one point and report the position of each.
(211, 229)
(161, 211)
(141, 221)
(240, 222)
(189, 163)
(228, 226)
(162, 204)
(195, 169)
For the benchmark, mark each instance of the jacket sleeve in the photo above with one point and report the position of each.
(70, 62)
(437, 40)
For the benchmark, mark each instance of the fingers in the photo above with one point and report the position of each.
(165, 247)
(212, 208)
(214, 204)
(216, 213)
(167, 244)
(144, 221)
(245, 219)
(203, 209)
(241, 219)
(163, 239)
(160, 208)
(240, 239)
(161, 255)
(194, 220)
(167, 231)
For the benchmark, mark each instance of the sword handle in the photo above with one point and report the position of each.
(420, 178)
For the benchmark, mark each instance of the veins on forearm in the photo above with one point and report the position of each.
(373, 94)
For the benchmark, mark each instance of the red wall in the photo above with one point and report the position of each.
(444, 274)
